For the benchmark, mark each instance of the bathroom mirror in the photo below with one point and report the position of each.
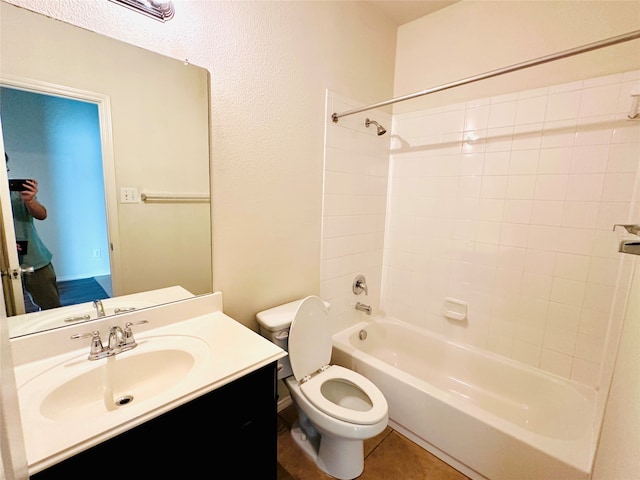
(150, 229)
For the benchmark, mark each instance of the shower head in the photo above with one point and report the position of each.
(380, 128)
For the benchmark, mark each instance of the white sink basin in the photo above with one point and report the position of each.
(78, 388)
(117, 382)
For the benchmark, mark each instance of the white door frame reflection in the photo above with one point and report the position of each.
(108, 216)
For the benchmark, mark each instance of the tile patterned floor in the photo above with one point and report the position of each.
(387, 456)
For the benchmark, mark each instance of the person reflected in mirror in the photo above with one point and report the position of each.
(41, 285)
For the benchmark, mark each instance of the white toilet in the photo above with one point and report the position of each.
(337, 407)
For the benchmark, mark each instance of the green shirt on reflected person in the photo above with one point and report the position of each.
(37, 255)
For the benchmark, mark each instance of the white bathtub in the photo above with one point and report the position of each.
(487, 416)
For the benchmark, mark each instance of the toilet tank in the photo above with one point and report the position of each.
(274, 325)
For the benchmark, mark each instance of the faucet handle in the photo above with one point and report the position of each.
(360, 285)
(96, 343)
(128, 333)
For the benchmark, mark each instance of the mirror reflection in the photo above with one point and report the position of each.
(120, 155)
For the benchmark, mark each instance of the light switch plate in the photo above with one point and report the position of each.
(129, 195)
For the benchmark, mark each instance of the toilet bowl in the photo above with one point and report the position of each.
(337, 408)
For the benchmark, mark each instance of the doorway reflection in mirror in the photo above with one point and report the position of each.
(57, 140)
(40, 284)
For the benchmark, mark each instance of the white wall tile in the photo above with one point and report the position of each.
(618, 187)
(561, 341)
(590, 159)
(556, 362)
(547, 212)
(540, 261)
(531, 110)
(580, 214)
(502, 114)
(527, 137)
(551, 187)
(496, 163)
(517, 211)
(626, 132)
(543, 237)
(587, 187)
(476, 118)
(559, 133)
(623, 158)
(562, 106)
(600, 100)
(610, 213)
(603, 271)
(563, 317)
(570, 292)
(595, 130)
(494, 186)
(555, 161)
(572, 267)
(521, 186)
(499, 139)
(524, 162)
(514, 235)
(584, 371)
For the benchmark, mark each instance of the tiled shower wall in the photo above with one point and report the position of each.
(356, 170)
(508, 203)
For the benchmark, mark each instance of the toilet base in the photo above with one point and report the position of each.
(338, 457)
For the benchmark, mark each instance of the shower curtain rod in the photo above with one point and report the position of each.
(494, 73)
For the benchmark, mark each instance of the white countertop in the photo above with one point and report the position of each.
(233, 351)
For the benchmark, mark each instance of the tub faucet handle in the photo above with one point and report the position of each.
(360, 285)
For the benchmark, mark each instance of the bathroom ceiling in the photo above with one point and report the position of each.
(401, 11)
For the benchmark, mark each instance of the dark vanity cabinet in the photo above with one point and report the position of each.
(230, 432)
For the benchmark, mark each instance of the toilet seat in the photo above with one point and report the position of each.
(310, 346)
(311, 389)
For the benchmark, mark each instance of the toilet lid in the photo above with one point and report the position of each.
(309, 338)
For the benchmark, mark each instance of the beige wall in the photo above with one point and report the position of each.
(474, 37)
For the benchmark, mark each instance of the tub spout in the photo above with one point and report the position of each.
(364, 308)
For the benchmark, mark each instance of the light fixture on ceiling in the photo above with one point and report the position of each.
(160, 10)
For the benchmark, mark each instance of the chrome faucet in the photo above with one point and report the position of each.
(360, 285)
(99, 308)
(116, 338)
(364, 308)
(118, 341)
